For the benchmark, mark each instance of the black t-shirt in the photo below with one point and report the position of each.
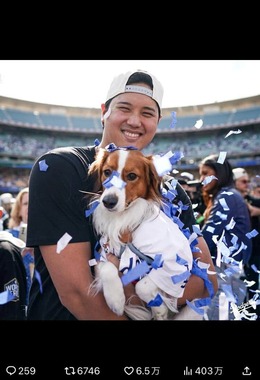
(57, 206)
(12, 278)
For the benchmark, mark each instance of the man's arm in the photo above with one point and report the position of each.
(254, 211)
(195, 287)
(71, 276)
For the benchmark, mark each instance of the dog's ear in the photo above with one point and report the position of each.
(154, 180)
(95, 169)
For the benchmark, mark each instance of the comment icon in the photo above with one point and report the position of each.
(10, 370)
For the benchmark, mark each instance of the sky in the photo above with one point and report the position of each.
(84, 83)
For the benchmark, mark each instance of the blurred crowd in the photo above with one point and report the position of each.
(13, 180)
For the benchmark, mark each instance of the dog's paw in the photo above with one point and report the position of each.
(115, 300)
(112, 288)
(114, 295)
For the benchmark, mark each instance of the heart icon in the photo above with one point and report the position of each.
(129, 370)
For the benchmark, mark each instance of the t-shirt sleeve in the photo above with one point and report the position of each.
(57, 201)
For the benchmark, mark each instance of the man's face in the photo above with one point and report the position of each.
(131, 119)
(242, 184)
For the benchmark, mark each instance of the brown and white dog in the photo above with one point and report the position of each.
(130, 204)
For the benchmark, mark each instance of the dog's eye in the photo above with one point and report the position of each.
(107, 173)
(131, 176)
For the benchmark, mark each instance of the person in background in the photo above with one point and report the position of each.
(19, 212)
(57, 203)
(2, 213)
(17, 226)
(6, 201)
(255, 189)
(224, 204)
(13, 285)
(226, 224)
(250, 190)
(241, 180)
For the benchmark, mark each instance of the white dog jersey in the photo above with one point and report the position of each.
(158, 235)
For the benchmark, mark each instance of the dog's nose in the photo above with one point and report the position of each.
(110, 201)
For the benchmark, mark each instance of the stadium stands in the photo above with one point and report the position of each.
(29, 129)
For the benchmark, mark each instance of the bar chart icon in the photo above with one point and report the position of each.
(188, 371)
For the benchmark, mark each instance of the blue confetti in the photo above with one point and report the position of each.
(176, 157)
(180, 277)
(38, 278)
(255, 269)
(166, 208)
(202, 302)
(208, 179)
(114, 180)
(6, 297)
(97, 248)
(252, 234)
(174, 120)
(157, 301)
(92, 208)
(107, 184)
(27, 260)
(43, 166)
(157, 262)
(178, 221)
(202, 273)
(196, 309)
(135, 273)
(181, 261)
(196, 229)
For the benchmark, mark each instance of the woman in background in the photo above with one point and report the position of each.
(18, 228)
(226, 215)
(19, 212)
(226, 224)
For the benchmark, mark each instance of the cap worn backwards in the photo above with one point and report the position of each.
(239, 172)
(120, 85)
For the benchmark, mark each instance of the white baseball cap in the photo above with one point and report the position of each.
(119, 85)
(7, 198)
(239, 172)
